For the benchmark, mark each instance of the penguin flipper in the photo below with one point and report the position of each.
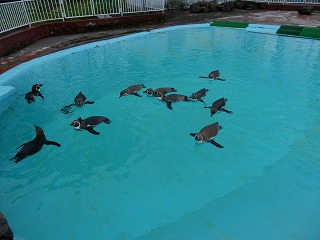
(52, 143)
(89, 102)
(40, 95)
(91, 130)
(225, 110)
(169, 105)
(193, 134)
(17, 159)
(21, 146)
(200, 100)
(136, 94)
(202, 77)
(221, 79)
(215, 143)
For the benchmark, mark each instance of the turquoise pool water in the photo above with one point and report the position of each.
(144, 177)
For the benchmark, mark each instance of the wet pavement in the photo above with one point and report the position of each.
(53, 44)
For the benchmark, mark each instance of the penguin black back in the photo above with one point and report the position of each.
(33, 146)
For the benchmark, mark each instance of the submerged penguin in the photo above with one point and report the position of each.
(197, 96)
(168, 99)
(33, 146)
(214, 75)
(79, 101)
(163, 90)
(219, 105)
(89, 123)
(132, 90)
(207, 134)
(35, 91)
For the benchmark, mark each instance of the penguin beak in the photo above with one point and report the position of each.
(71, 124)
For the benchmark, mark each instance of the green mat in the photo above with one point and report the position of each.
(311, 32)
(290, 30)
(230, 24)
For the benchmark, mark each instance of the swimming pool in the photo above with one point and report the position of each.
(144, 177)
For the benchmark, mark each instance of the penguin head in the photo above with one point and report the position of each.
(149, 92)
(79, 103)
(198, 137)
(160, 94)
(123, 93)
(39, 131)
(36, 87)
(76, 124)
(194, 96)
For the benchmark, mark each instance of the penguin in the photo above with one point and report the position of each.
(132, 90)
(164, 90)
(35, 91)
(197, 96)
(172, 98)
(207, 134)
(79, 101)
(214, 75)
(89, 123)
(33, 146)
(219, 105)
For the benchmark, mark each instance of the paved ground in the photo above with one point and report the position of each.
(54, 44)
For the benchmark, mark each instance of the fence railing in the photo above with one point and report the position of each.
(26, 12)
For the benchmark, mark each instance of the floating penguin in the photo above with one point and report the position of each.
(35, 91)
(89, 123)
(163, 90)
(214, 75)
(79, 101)
(197, 96)
(169, 99)
(33, 146)
(132, 90)
(219, 105)
(207, 134)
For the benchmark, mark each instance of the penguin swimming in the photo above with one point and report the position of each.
(197, 96)
(33, 146)
(214, 75)
(35, 91)
(168, 99)
(164, 90)
(219, 105)
(79, 101)
(207, 134)
(132, 90)
(89, 123)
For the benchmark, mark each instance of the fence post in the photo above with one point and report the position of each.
(93, 11)
(120, 7)
(26, 12)
(63, 12)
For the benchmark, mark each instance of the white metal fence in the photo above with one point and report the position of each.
(26, 12)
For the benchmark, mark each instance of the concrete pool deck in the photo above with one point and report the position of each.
(53, 44)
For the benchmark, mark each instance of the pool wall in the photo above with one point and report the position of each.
(16, 40)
